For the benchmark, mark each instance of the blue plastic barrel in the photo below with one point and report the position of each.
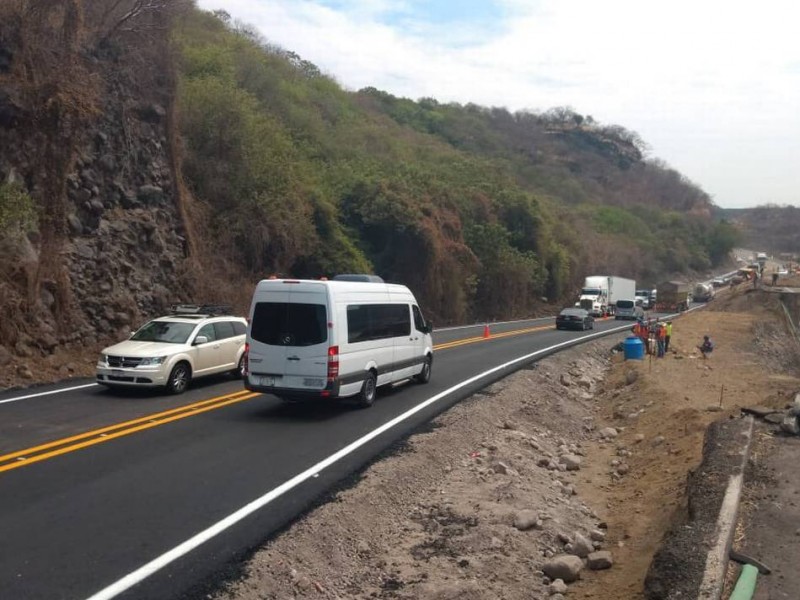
(633, 348)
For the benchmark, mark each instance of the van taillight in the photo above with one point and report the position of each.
(333, 363)
(246, 360)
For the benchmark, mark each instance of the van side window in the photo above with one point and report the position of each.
(419, 322)
(289, 324)
(367, 322)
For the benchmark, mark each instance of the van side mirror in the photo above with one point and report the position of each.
(200, 339)
(429, 327)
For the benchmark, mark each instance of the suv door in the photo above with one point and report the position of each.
(207, 355)
(228, 345)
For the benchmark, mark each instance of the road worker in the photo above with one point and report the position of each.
(661, 335)
(668, 337)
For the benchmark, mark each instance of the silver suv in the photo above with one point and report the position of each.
(170, 351)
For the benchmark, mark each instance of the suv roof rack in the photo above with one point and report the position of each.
(200, 309)
(358, 277)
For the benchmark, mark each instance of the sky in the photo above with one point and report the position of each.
(712, 86)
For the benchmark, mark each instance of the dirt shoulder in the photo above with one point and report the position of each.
(578, 453)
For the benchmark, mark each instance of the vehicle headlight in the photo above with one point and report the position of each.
(152, 361)
(103, 359)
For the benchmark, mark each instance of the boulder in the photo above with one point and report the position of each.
(557, 587)
(599, 560)
(581, 546)
(75, 225)
(150, 194)
(597, 535)
(790, 425)
(526, 519)
(571, 461)
(566, 567)
(608, 432)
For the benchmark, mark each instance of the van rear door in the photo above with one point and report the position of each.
(289, 330)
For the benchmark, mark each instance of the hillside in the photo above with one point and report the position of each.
(147, 159)
(771, 228)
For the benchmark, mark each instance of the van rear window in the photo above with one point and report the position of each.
(624, 303)
(289, 324)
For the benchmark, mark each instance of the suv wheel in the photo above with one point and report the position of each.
(238, 372)
(366, 397)
(179, 378)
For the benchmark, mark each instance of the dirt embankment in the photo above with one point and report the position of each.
(578, 453)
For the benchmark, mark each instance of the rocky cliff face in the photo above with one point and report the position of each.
(126, 247)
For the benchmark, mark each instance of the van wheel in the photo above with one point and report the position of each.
(366, 397)
(179, 378)
(424, 376)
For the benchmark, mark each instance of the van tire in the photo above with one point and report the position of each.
(424, 376)
(369, 389)
(179, 378)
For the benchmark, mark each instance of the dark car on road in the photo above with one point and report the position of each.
(574, 318)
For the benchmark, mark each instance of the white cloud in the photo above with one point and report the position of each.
(712, 86)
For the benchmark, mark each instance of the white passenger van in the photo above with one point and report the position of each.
(335, 339)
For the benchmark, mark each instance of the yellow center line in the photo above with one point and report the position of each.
(190, 408)
(124, 432)
(34, 454)
(492, 336)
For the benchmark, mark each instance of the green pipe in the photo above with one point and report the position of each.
(746, 584)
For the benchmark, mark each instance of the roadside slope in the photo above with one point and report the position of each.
(475, 507)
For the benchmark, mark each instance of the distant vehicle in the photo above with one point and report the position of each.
(628, 309)
(642, 298)
(718, 282)
(335, 339)
(761, 259)
(600, 293)
(575, 318)
(192, 341)
(703, 292)
(782, 271)
(673, 296)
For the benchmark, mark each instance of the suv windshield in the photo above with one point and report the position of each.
(164, 331)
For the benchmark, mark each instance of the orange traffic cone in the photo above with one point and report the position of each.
(486, 331)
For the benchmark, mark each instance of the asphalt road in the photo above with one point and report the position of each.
(78, 516)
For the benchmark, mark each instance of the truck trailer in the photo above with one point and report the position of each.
(600, 293)
(673, 296)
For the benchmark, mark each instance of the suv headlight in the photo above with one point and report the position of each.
(152, 361)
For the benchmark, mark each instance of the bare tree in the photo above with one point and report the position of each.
(122, 16)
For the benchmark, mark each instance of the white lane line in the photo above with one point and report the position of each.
(69, 389)
(155, 565)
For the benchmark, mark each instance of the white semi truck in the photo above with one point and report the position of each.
(600, 293)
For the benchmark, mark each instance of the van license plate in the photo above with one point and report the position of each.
(312, 382)
(269, 381)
